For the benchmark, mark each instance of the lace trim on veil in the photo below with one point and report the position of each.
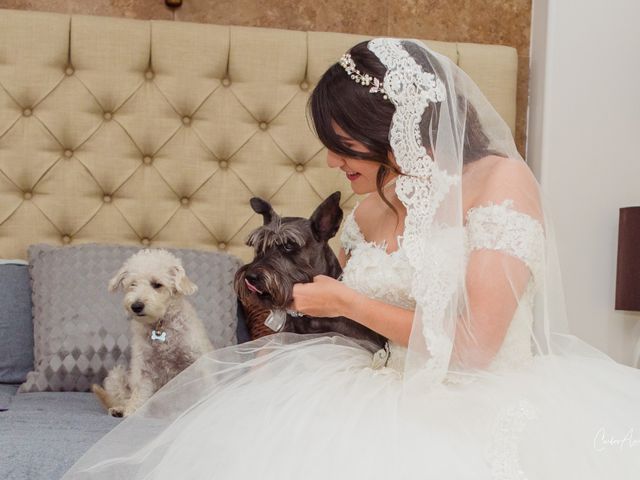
(434, 251)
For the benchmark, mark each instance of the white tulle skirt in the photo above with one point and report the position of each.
(311, 407)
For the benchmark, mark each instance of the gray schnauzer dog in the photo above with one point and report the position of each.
(291, 250)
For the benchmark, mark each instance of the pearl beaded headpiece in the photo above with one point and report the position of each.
(350, 67)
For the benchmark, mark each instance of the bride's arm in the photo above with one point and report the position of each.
(498, 271)
(479, 333)
(496, 277)
(338, 299)
(328, 297)
(388, 320)
(375, 314)
(495, 282)
(491, 306)
(505, 241)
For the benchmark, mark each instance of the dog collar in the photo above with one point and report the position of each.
(158, 334)
(276, 320)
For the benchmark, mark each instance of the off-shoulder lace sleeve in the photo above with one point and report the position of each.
(351, 235)
(501, 227)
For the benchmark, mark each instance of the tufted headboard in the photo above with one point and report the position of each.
(158, 133)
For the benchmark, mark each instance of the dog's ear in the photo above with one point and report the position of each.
(264, 208)
(181, 283)
(326, 219)
(116, 281)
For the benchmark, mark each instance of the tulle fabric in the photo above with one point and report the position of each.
(290, 406)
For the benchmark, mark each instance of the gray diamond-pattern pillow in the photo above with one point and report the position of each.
(81, 330)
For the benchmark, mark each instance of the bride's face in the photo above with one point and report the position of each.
(361, 173)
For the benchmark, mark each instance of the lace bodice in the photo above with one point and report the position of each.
(387, 276)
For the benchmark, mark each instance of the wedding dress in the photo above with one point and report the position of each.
(287, 406)
(317, 407)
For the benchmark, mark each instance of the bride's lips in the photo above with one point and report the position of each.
(352, 176)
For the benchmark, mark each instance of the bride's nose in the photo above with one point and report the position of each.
(334, 160)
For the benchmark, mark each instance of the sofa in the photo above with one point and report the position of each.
(119, 134)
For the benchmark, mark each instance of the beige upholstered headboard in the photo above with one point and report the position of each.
(158, 133)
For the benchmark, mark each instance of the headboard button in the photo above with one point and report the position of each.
(146, 242)
(66, 239)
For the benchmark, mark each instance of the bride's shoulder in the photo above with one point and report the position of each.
(363, 210)
(493, 179)
(492, 169)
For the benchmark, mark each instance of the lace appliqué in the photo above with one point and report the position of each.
(350, 236)
(503, 450)
(501, 227)
(434, 252)
(373, 271)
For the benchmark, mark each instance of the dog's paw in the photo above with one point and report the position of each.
(116, 412)
(128, 411)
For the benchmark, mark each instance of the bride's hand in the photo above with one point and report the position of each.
(324, 297)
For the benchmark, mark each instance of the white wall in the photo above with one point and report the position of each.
(584, 146)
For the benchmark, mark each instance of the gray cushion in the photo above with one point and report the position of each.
(81, 330)
(16, 328)
(43, 434)
(6, 395)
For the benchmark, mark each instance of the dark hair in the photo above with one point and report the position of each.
(366, 117)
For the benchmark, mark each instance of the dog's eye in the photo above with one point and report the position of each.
(156, 285)
(289, 247)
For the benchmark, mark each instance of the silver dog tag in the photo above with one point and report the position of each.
(158, 336)
(276, 319)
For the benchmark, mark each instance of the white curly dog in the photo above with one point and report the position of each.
(166, 334)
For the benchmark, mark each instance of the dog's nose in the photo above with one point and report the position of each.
(137, 307)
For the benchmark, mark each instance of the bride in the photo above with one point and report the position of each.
(452, 258)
